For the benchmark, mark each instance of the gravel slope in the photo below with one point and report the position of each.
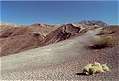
(61, 61)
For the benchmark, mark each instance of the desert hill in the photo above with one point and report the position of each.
(17, 38)
(65, 59)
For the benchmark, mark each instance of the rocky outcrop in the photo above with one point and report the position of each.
(62, 33)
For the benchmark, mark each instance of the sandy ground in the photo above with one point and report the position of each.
(61, 61)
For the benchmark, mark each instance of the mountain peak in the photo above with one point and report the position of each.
(93, 22)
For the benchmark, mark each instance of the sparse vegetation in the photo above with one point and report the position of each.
(91, 69)
(103, 41)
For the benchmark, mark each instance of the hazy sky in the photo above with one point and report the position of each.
(58, 12)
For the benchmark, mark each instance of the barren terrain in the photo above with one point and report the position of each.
(64, 59)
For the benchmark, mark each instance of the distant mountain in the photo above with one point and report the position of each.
(93, 22)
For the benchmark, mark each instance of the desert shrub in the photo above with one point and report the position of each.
(103, 41)
(91, 69)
